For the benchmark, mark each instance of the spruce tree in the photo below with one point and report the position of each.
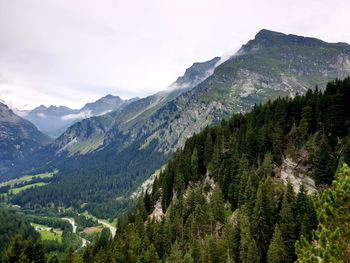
(217, 205)
(14, 252)
(277, 252)
(332, 237)
(346, 151)
(323, 161)
(248, 249)
(208, 149)
(263, 218)
(287, 226)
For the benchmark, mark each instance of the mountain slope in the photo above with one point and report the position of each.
(221, 198)
(271, 65)
(18, 138)
(123, 126)
(124, 147)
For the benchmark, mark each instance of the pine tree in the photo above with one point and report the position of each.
(14, 252)
(147, 202)
(346, 151)
(248, 248)
(88, 255)
(38, 255)
(70, 257)
(305, 219)
(208, 149)
(176, 254)
(253, 255)
(216, 159)
(217, 205)
(150, 255)
(103, 239)
(277, 137)
(54, 259)
(195, 165)
(266, 169)
(287, 226)
(263, 218)
(277, 252)
(332, 238)
(324, 163)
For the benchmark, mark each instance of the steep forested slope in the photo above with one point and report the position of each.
(220, 199)
(331, 240)
(12, 224)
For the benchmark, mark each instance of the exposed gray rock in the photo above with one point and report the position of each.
(294, 173)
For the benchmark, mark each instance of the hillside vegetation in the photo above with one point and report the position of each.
(220, 198)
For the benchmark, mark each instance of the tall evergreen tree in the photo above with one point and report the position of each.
(263, 218)
(332, 238)
(287, 226)
(217, 205)
(323, 161)
(277, 252)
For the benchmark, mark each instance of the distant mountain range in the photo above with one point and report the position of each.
(54, 120)
(18, 138)
(115, 152)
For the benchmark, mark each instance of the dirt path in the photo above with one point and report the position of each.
(111, 228)
(74, 226)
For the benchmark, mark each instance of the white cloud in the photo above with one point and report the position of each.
(41, 115)
(81, 115)
(70, 52)
(104, 112)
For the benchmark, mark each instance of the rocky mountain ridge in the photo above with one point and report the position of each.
(54, 120)
(18, 138)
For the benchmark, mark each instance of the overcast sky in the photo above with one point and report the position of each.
(69, 52)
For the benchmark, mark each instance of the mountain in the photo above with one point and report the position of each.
(271, 65)
(18, 138)
(54, 120)
(50, 120)
(195, 74)
(116, 152)
(222, 198)
(124, 125)
(105, 104)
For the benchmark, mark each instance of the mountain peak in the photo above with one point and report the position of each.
(109, 96)
(42, 106)
(267, 38)
(195, 74)
(265, 33)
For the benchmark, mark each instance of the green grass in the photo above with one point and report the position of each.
(23, 188)
(38, 225)
(87, 146)
(28, 178)
(48, 235)
(88, 215)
